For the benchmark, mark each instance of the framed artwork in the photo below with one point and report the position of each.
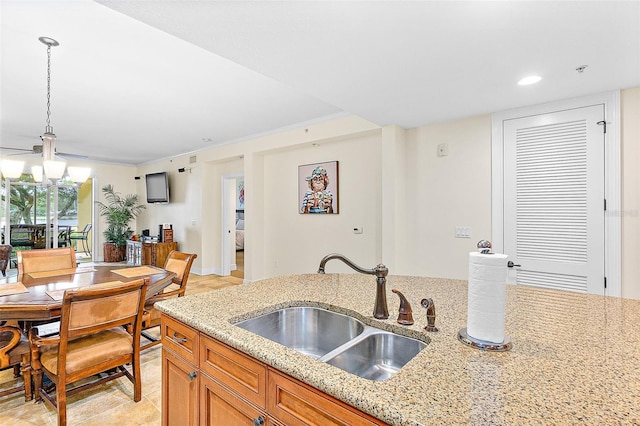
(318, 188)
(240, 194)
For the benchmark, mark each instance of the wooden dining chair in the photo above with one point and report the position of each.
(177, 262)
(15, 353)
(93, 339)
(45, 260)
(5, 258)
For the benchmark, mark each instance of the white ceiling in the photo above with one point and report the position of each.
(134, 81)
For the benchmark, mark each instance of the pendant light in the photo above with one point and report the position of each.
(51, 168)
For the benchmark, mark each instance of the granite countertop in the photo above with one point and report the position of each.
(575, 357)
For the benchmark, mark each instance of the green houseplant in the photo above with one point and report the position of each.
(118, 211)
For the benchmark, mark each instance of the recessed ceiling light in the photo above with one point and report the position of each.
(206, 140)
(529, 80)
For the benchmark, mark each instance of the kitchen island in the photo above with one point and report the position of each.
(575, 357)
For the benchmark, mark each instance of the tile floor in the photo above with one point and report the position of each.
(111, 403)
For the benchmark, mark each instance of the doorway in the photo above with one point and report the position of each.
(233, 229)
(37, 216)
(552, 172)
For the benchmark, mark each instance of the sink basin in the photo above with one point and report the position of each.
(377, 356)
(337, 339)
(312, 331)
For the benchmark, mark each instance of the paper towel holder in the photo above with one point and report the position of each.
(484, 246)
(483, 345)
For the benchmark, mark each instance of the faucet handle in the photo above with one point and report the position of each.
(405, 316)
(431, 314)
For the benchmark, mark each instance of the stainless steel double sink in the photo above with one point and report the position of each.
(337, 339)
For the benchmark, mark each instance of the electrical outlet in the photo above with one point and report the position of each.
(357, 230)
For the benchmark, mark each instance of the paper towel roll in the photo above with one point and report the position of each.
(487, 296)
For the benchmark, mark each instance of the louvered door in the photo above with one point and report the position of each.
(554, 199)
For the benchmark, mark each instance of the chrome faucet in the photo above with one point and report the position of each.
(380, 310)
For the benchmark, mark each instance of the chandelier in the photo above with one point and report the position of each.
(51, 169)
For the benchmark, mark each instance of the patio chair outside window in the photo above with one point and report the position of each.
(83, 237)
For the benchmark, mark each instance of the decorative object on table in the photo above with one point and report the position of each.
(119, 211)
(165, 233)
(318, 188)
(487, 294)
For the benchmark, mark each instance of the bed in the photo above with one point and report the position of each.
(239, 230)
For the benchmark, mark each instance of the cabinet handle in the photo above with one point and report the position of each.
(193, 375)
(179, 339)
(259, 421)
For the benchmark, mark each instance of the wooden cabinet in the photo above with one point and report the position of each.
(179, 391)
(156, 253)
(295, 403)
(236, 389)
(180, 375)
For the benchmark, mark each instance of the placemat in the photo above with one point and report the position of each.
(58, 272)
(137, 271)
(12, 288)
(59, 294)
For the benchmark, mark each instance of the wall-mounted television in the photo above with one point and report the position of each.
(157, 187)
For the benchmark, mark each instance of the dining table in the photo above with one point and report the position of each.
(37, 296)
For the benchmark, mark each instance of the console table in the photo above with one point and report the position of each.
(139, 253)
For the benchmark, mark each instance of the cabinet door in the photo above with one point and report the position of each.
(179, 391)
(218, 407)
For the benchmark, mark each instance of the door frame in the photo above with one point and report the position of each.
(612, 225)
(227, 219)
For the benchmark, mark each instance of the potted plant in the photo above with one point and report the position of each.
(119, 211)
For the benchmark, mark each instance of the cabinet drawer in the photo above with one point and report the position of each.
(243, 375)
(294, 403)
(180, 338)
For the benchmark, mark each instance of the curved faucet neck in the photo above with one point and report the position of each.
(379, 271)
(380, 310)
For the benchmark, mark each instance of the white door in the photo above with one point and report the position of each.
(554, 196)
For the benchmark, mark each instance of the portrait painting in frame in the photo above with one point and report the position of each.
(318, 188)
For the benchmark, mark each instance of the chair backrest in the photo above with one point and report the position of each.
(45, 260)
(180, 263)
(86, 229)
(5, 255)
(9, 339)
(92, 309)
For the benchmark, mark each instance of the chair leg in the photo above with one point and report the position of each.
(37, 384)
(26, 377)
(61, 403)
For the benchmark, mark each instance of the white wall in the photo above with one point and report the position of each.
(392, 183)
(295, 243)
(445, 192)
(630, 137)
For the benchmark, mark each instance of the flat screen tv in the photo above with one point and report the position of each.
(157, 187)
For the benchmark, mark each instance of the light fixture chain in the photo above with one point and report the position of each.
(49, 129)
